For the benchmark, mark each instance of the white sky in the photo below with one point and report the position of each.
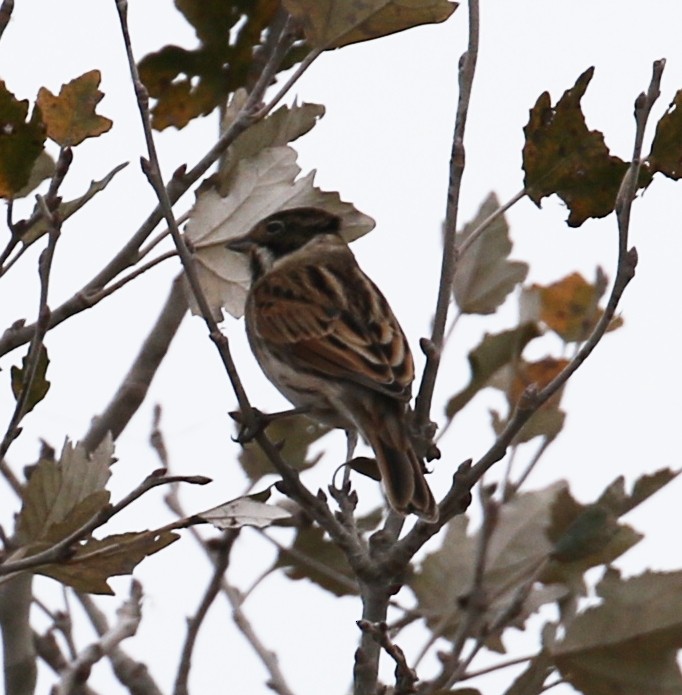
(384, 144)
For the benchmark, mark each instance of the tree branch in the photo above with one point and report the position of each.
(135, 385)
(77, 672)
(449, 260)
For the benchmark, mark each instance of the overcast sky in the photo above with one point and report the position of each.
(383, 144)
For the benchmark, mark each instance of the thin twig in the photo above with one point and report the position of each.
(41, 327)
(56, 552)
(132, 674)
(449, 260)
(77, 672)
(269, 659)
(221, 559)
(135, 385)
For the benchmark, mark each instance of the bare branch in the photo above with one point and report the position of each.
(19, 656)
(134, 387)
(77, 672)
(449, 260)
(134, 675)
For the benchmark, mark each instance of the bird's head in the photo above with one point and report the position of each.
(284, 232)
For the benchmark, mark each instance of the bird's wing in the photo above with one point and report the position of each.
(328, 317)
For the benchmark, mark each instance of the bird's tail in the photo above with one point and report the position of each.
(402, 472)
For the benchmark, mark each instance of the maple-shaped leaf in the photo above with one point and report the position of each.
(516, 547)
(313, 556)
(189, 83)
(334, 23)
(67, 207)
(628, 644)
(21, 143)
(584, 536)
(62, 496)
(95, 560)
(485, 275)
(39, 385)
(569, 307)
(70, 116)
(293, 435)
(244, 511)
(666, 148)
(281, 127)
(514, 378)
(494, 352)
(262, 185)
(562, 156)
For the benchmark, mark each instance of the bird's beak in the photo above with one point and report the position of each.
(241, 244)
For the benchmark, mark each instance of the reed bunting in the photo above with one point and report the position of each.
(326, 337)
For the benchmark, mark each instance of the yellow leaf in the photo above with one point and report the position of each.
(70, 117)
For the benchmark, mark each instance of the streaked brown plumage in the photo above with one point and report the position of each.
(327, 339)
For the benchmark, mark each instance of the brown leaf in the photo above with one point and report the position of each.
(318, 559)
(295, 434)
(629, 643)
(60, 497)
(70, 117)
(570, 306)
(334, 23)
(562, 156)
(494, 352)
(485, 275)
(39, 386)
(96, 560)
(666, 148)
(21, 143)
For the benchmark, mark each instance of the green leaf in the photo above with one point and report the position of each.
(39, 386)
(335, 23)
(61, 497)
(95, 561)
(666, 148)
(562, 156)
(629, 643)
(494, 352)
(484, 274)
(21, 143)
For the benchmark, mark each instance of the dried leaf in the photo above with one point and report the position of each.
(95, 561)
(191, 83)
(294, 434)
(43, 168)
(244, 511)
(60, 497)
(666, 149)
(280, 128)
(562, 156)
(484, 274)
(628, 644)
(262, 185)
(70, 117)
(570, 306)
(39, 386)
(532, 680)
(494, 352)
(313, 556)
(21, 143)
(334, 23)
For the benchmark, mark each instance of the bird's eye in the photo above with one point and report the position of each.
(274, 227)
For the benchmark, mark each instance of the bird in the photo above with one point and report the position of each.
(326, 337)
